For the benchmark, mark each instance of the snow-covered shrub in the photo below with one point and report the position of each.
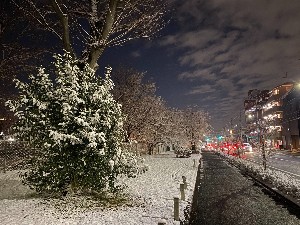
(75, 127)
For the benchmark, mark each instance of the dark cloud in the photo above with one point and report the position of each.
(136, 54)
(230, 46)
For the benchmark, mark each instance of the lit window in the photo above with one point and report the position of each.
(277, 103)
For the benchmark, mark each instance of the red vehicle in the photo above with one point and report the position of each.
(231, 148)
(225, 146)
(211, 146)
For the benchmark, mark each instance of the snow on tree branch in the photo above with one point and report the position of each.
(75, 127)
(97, 24)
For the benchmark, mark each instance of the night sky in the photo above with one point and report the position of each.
(213, 52)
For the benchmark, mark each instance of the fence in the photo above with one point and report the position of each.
(13, 154)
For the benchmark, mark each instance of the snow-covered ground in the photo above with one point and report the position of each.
(152, 198)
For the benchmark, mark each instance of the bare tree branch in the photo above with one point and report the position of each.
(64, 21)
(95, 25)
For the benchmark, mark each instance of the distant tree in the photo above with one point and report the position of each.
(148, 119)
(156, 129)
(266, 130)
(145, 112)
(94, 25)
(188, 125)
(179, 127)
(75, 127)
(196, 123)
(138, 99)
(15, 57)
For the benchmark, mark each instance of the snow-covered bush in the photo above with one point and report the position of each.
(75, 127)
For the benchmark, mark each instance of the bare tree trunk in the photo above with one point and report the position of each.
(64, 21)
(96, 52)
(150, 149)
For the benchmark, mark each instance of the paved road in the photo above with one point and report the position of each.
(225, 197)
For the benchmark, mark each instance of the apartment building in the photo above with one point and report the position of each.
(272, 115)
(253, 106)
(291, 121)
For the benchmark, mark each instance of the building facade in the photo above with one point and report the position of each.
(253, 106)
(291, 121)
(272, 115)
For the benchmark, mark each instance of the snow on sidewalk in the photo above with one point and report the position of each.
(152, 199)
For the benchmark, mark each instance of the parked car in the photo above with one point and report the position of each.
(247, 147)
(194, 149)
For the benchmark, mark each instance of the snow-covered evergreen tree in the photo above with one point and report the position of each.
(75, 127)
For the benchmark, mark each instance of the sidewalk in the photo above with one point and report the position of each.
(225, 197)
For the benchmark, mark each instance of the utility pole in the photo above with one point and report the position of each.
(261, 138)
(231, 126)
(240, 121)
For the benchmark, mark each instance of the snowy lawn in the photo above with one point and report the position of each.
(150, 198)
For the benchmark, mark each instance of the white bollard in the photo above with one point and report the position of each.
(176, 208)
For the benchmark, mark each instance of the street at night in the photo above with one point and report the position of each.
(149, 112)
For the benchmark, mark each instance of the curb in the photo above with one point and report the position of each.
(196, 191)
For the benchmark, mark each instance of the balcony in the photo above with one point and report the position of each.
(274, 98)
(273, 122)
(272, 110)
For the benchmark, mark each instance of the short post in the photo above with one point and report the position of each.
(184, 182)
(176, 208)
(194, 163)
(5, 155)
(182, 194)
(162, 222)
